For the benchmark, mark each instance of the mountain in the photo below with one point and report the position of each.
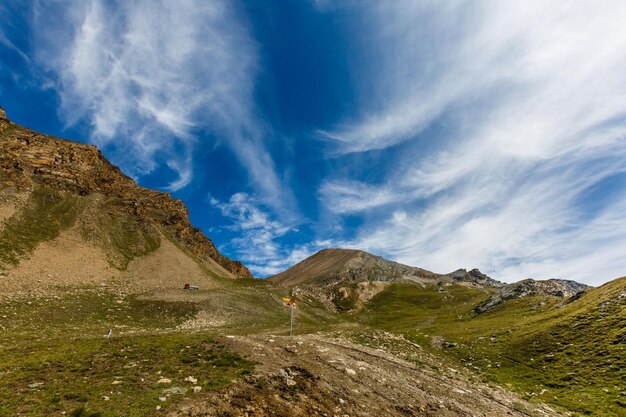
(347, 279)
(68, 216)
(334, 266)
(560, 288)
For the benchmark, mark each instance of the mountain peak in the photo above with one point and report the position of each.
(334, 265)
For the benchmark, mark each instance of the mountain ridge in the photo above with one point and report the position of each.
(560, 288)
(63, 170)
(334, 265)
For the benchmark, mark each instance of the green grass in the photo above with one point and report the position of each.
(54, 356)
(45, 378)
(90, 312)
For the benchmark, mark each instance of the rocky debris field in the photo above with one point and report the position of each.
(329, 375)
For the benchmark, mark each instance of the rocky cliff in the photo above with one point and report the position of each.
(30, 160)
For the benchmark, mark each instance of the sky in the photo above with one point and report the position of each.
(440, 134)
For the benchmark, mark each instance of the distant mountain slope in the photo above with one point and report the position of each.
(63, 203)
(576, 350)
(552, 287)
(333, 266)
(568, 352)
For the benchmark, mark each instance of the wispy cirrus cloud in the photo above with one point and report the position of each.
(553, 64)
(259, 243)
(151, 76)
(529, 108)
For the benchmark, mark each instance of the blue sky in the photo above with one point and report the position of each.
(438, 134)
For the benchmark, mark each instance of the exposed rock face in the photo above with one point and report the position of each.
(553, 287)
(30, 159)
(474, 276)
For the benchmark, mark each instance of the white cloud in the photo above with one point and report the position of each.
(529, 105)
(550, 63)
(148, 75)
(355, 196)
(258, 244)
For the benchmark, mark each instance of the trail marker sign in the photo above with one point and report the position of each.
(292, 304)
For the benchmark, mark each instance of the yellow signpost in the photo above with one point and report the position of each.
(291, 303)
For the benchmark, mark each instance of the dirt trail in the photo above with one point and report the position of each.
(324, 375)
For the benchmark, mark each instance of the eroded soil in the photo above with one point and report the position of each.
(328, 375)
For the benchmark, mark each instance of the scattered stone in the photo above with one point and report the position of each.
(196, 389)
(191, 379)
(162, 399)
(175, 391)
(164, 381)
(350, 371)
(116, 382)
(35, 385)
(105, 398)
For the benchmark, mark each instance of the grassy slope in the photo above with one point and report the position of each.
(59, 344)
(571, 356)
(123, 237)
(254, 306)
(46, 214)
(55, 358)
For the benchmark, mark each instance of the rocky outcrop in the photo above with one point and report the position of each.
(553, 287)
(474, 277)
(31, 159)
